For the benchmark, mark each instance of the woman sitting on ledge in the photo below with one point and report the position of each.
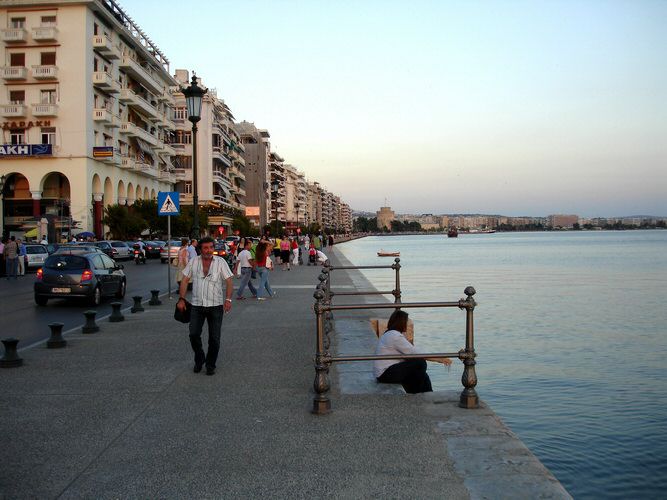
(410, 373)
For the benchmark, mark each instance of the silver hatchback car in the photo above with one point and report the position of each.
(36, 255)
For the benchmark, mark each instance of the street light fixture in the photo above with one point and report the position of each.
(194, 94)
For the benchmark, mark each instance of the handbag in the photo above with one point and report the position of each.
(183, 316)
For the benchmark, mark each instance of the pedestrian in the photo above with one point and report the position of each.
(285, 252)
(209, 275)
(11, 258)
(410, 373)
(245, 263)
(44, 241)
(331, 240)
(182, 258)
(192, 249)
(22, 257)
(3, 240)
(294, 245)
(317, 243)
(263, 264)
(276, 249)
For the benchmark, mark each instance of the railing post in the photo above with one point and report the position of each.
(469, 398)
(321, 402)
(397, 290)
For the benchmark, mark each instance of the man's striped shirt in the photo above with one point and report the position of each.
(207, 290)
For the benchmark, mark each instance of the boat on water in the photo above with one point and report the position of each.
(382, 253)
(452, 233)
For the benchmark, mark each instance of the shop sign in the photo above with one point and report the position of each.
(102, 151)
(25, 150)
(24, 124)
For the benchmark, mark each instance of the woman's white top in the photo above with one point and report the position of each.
(391, 342)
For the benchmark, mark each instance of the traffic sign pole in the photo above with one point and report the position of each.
(169, 255)
(168, 204)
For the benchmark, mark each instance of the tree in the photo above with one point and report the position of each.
(243, 225)
(123, 225)
(275, 228)
(181, 225)
(147, 210)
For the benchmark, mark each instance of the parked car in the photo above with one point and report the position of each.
(89, 275)
(36, 255)
(175, 247)
(153, 248)
(222, 249)
(77, 248)
(106, 247)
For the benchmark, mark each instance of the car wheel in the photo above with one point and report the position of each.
(96, 298)
(41, 301)
(121, 291)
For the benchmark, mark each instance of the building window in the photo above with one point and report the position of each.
(17, 59)
(48, 58)
(108, 140)
(183, 137)
(180, 114)
(17, 96)
(48, 21)
(183, 162)
(48, 96)
(49, 135)
(17, 22)
(17, 136)
(188, 187)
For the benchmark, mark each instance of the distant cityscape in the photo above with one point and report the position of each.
(386, 219)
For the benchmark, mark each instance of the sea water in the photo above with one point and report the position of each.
(571, 338)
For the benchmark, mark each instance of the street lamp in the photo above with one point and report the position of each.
(194, 95)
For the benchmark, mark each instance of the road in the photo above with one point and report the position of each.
(21, 318)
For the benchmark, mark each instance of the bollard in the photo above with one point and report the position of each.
(90, 326)
(155, 301)
(56, 341)
(137, 307)
(116, 315)
(11, 358)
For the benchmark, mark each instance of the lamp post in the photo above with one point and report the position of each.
(194, 95)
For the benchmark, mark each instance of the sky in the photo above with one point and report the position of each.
(499, 107)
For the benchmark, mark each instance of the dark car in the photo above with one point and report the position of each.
(117, 250)
(77, 248)
(89, 275)
(222, 249)
(153, 248)
(106, 247)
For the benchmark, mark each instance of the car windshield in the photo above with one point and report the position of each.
(66, 262)
(35, 249)
(174, 244)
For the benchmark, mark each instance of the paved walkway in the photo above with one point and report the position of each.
(120, 414)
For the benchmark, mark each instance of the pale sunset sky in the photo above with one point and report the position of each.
(501, 107)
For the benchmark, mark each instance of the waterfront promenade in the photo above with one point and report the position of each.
(120, 414)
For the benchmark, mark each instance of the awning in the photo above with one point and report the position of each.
(224, 188)
(144, 147)
(33, 233)
(167, 161)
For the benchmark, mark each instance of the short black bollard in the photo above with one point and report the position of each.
(116, 315)
(90, 326)
(155, 301)
(11, 358)
(137, 307)
(56, 341)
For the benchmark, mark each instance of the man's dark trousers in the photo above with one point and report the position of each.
(213, 315)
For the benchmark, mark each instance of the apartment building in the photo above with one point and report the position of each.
(564, 221)
(86, 113)
(220, 164)
(278, 181)
(255, 154)
(295, 197)
(313, 213)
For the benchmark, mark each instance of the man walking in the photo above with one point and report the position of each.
(11, 258)
(246, 263)
(207, 273)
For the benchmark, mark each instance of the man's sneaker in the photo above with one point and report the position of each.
(197, 367)
(261, 298)
(210, 371)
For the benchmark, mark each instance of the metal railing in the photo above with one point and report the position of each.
(396, 292)
(323, 359)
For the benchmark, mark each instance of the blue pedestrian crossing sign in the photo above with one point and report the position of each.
(168, 203)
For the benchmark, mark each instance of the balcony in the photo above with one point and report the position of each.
(219, 155)
(103, 80)
(185, 198)
(131, 129)
(167, 149)
(146, 169)
(165, 176)
(14, 72)
(104, 46)
(132, 67)
(45, 34)
(127, 163)
(45, 72)
(182, 174)
(14, 35)
(45, 110)
(112, 160)
(13, 110)
(166, 96)
(133, 99)
(103, 115)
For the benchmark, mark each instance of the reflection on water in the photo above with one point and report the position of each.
(571, 337)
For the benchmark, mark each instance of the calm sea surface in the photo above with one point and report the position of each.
(571, 338)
